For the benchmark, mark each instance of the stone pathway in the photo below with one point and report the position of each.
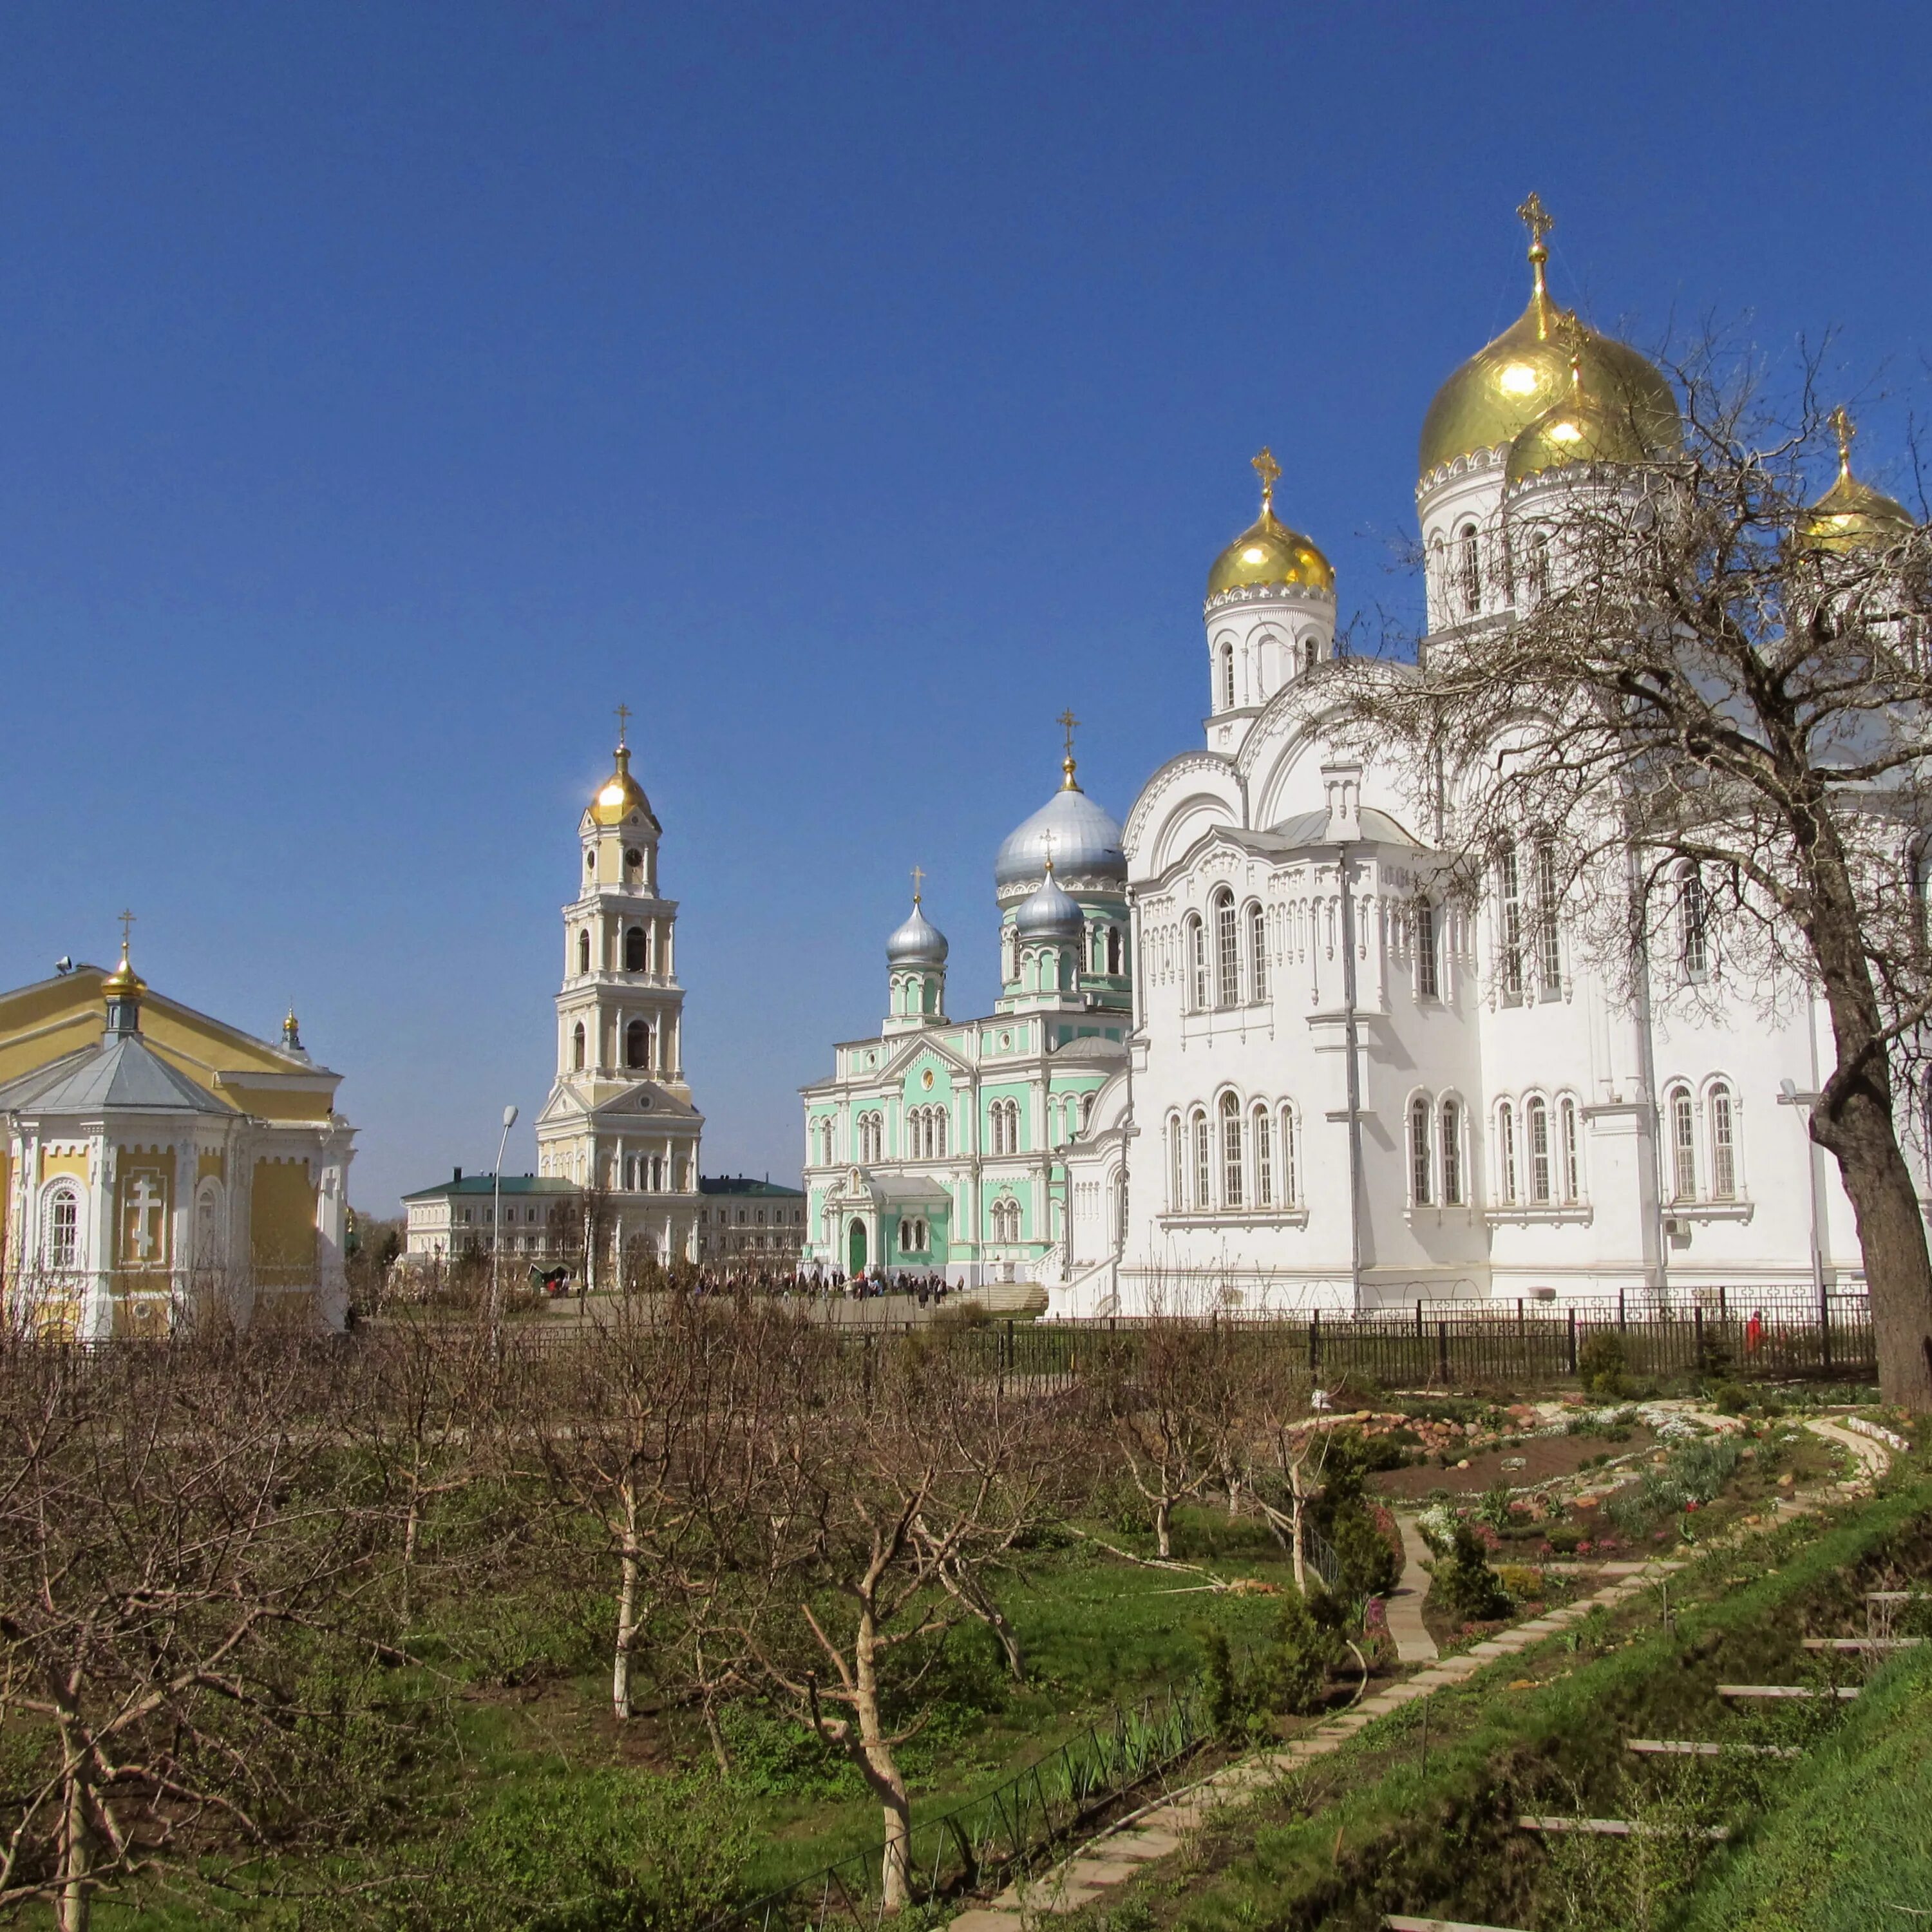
(1161, 1827)
(1413, 1643)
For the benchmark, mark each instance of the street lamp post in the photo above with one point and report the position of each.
(496, 1229)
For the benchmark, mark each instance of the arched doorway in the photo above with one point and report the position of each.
(855, 1247)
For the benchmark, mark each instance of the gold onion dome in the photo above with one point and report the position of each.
(1579, 429)
(124, 980)
(1851, 515)
(620, 794)
(1268, 552)
(1525, 372)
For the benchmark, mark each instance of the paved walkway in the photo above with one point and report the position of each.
(1161, 1827)
(1413, 1643)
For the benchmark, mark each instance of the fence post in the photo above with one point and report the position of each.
(1723, 1312)
(1315, 1341)
(1442, 1351)
(1620, 1310)
(1418, 1317)
(1697, 1322)
(1572, 1341)
(1825, 1325)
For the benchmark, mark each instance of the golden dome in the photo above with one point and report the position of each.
(1268, 552)
(1502, 388)
(1579, 429)
(620, 794)
(1851, 515)
(124, 980)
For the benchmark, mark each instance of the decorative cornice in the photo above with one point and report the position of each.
(1476, 460)
(1267, 593)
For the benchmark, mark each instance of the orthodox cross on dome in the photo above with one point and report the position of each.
(1844, 429)
(1539, 221)
(623, 724)
(127, 926)
(1047, 841)
(1269, 471)
(918, 880)
(1067, 722)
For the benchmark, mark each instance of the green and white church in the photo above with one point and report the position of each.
(937, 1147)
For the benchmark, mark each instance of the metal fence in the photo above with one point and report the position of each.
(1001, 1835)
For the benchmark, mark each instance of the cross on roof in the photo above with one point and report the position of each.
(127, 929)
(1269, 471)
(623, 721)
(918, 880)
(1537, 219)
(1844, 429)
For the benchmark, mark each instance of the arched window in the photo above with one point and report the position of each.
(1227, 677)
(1509, 898)
(1259, 1127)
(1086, 1111)
(1257, 961)
(1232, 1192)
(935, 1132)
(1176, 1167)
(1291, 1159)
(633, 949)
(584, 950)
(1197, 963)
(1506, 1153)
(1420, 1154)
(1227, 951)
(1452, 1154)
(1204, 1175)
(871, 1137)
(1549, 937)
(1538, 1112)
(1469, 570)
(1438, 575)
(1723, 1142)
(1573, 1176)
(1427, 983)
(62, 1240)
(1308, 652)
(1114, 950)
(577, 1047)
(1693, 916)
(1683, 1145)
(1539, 566)
(636, 1044)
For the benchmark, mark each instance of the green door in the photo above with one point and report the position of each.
(856, 1247)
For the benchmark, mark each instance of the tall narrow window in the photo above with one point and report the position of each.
(1290, 1161)
(1258, 1126)
(1227, 951)
(584, 950)
(1572, 1177)
(1469, 570)
(1683, 1146)
(633, 949)
(1204, 1175)
(1227, 677)
(1548, 939)
(1427, 986)
(637, 1044)
(577, 1047)
(1114, 950)
(1538, 1112)
(1177, 1168)
(1723, 1143)
(63, 1229)
(1231, 1190)
(1452, 1154)
(1258, 965)
(935, 1132)
(1539, 566)
(1197, 962)
(1506, 1153)
(1693, 916)
(1419, 1153)
(1509, 891)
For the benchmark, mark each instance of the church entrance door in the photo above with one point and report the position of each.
(855, 1246)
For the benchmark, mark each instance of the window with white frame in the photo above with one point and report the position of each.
(1509, 897)
(1258, 962)
(1176, 1167)
(1723, 1142)
(1258, 1126)
(1232, 1192)
(1452, 1154)
(1291, 1158)
(62, 1239)
(1204, 1172)
(1506, 1154)
(1573, 1176)
(1683, 1120)
(1469, 570)
(1420, 1154)
(1549, 937)
(1196, 941)
(1227, 677)
(1693, 919)
(1427, 983)
(1227, 951)
(872, 1136)
(1536, 1115)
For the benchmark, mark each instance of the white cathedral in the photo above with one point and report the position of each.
(1340, 1093)
(1337, 1088)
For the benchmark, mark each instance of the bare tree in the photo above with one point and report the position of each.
(1706, 727)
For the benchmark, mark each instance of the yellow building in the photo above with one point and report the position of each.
(157, 1166)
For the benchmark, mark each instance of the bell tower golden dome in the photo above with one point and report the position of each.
(1267, 551)
(1508, 383)
(1851, 515)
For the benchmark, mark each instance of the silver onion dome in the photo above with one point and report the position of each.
(1049, 913)
(1082, 840)
(917, 942)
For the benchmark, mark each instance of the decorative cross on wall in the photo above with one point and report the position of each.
(144, 1201)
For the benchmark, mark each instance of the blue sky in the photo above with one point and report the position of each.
(391, 390)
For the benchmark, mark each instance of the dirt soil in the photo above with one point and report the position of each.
(1544, 1458)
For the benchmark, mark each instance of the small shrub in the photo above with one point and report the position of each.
(1368, 1564)
(1466, 1589)
(1603, 1365)
(1523, 1581)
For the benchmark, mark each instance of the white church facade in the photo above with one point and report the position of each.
(1342, 1091)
